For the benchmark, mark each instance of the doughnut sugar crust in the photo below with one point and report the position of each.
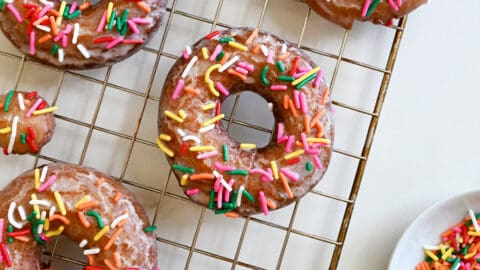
(345, 12)
(232, 177)
(25, 129)
(56, 206)
(78, 34)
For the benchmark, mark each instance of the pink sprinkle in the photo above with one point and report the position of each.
(303, 103)
(32, 43)
(1, 229)
(133, 26)
(217, 184)
(101, 24)
(290, 174)
(73, 7)
(317, 162)
(67, 29)
(456, 229)
(365, 7)
(193, 191)
(219, 197)
(263, 173)
(15, 13)
(215, 53)
(392, 5)
(44, 237)
(132, 41)
(263, 202)
(278, 87)
(282, 139)
(141, 20)
(64, 41)
(47, 183)
(299, 74)
(219, 86)
(207, 154)
(296, 98)
(290, 142)
(270, 57)
(316, 83)
(270, 175)
(399, 3)
(241, 70)
(280, 130)
(33, 108)
(185, 54)
(114, 43)
(312, 151)
(227, 193)
(303, 69)
(304, 141)
(246, 66)
(59, 36)
(222, 168)
(178, 89)
(44, 11)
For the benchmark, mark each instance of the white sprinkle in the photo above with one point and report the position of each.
(228, 63)
(43, 175)
(225, 184)
(11, 218)
(239, 197)
(192, 138)
(13, 135)
(91, 251)
(46, 3)
(474, 220)
(40, 226)
(21, 101)
(21, 212)
(431, 247)
(61, 55)
(270, 106)
(40, 202)
(43, 28)
(52, 210)
(264, 49)
(206, 129)
(76, 30)
(118, 220)
(181, 132)
(189, 66)
(83, 243)
(83, 51)
(188, 49)
(284, 48)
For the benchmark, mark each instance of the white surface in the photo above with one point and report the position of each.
(426, 229)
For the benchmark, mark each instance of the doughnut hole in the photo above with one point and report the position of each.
(249, 118)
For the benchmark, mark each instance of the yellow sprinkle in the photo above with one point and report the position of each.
(248, 146)
(237, 46)
(84, 199)
(473, 233)
(46, 110)
(184, 180)
(164, 148)
(37, 178)
(448, 253)
(201, 148)
(273, 165)
(60, 204)
(209, 70)
(46, 225)
(109, 11)
(54, 233)
(63, 4)
(208, 106)
(173, 116)
(431, 255)
(213, 120)
(469, 255)
(306, 75)
(182, 114)
(165, 137)
(35, 206)
(318, 140)
(5, 130)
(101, 233)
(205, 53)
(294, 154)
(212, 89)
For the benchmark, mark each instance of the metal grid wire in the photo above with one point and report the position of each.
(349, 201)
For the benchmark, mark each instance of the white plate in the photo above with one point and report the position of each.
(428, 226)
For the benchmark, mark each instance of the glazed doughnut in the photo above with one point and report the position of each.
(80, 35)
(239, 178)
(345, 12)
(88, 207)
(26, 122)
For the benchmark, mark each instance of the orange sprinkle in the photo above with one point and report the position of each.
(252, 36)
(100, 182)
(326, 91)
(271, 204)
(59, 217)
(53, 12)
(22, 238)
(319, 130)
(190, 90)
(37, 11)
(285, 101)
(233, 72)
(306, 123)
(83, 220)
(53, 25)
(44, 38)
(109, 264)
(143, 7)
(84, 6)
(231, 214)
(26, 101)
(198, 176)
(112, 238)
(284, 56)
(91, 259)
(116, 259)
(292, 108)
(316, 117)
(422, 266)
(473, 248)
(87, 205)
(121, 223)
(285, 185)
(117, 197)
(224, 58)
(256, 49)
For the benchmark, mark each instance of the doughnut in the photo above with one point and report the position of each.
(88, 207)
(239, 178)
(345, 12)
(80, 34)
(26, 122)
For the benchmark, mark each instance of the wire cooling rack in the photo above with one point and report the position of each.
(108, 122)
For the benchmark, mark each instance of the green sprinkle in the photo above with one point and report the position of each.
(6, 106)
(121, 22)
(450, 259)
(308, 79)
(66, 11)
(372, 7)
(308, 166)
(10, 240)
(455, 264)
(286, 78)
(212, 199)
(97, 216)
(220, 55)
(23, 138)
(32, 216)
(465, 249)
(150, 228)
(39, 240)
(229, 205)
(124, 29)
(183, 168)
(234, 197)
(35, 225)
(223, 211)
(2, 3)
(112, 19)
(248, 195)
(237, 172)
(226, 39)
(54, 49)
(478, 260)
(280, 66)
(9, 228)
(263, 76)
(225, 152)
(74, 14)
